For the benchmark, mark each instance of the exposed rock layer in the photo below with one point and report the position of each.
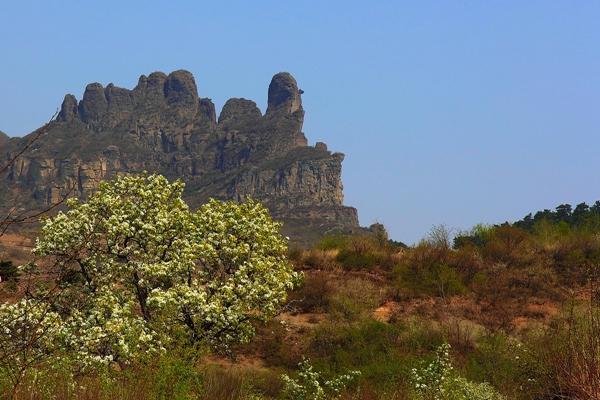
(162, 125)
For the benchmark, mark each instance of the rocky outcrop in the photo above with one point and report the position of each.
(3, 138)
(284, 95)
(163, 125)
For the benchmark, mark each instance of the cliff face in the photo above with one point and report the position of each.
(162, 125)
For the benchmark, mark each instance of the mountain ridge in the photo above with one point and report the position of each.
(163, 125)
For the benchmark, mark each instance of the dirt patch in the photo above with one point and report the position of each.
(16, 247)
(386, 311)
(305, 320)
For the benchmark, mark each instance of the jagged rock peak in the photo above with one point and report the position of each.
(207, 108)
(155, 82)
(68, 109)
(284, 94)
(181, 88)
(239, 109)
(94, 103)
(321, 146)
(157, 90)
(177, 87)
(3, 138)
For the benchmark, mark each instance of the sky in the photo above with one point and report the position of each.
(449, 112)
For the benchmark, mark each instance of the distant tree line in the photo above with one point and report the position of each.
(582, 218)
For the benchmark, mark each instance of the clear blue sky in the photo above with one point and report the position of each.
(453, 112)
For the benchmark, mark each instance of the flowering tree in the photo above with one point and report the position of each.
(438, 381)
(310, 384)
(136, 269)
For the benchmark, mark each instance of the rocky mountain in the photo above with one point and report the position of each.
(3, 138)
(163, 125)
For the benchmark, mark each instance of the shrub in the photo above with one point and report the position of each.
(313, 296)
(477, 236)
(221, 383)
(363, 252)
(354, 298)
(8, 271)
(332, 243)
(570, 350)
(275, 347)
(370, 345)
(509, 245)
(437, 380)
(418, 335)
(426, 271)
(359, 252)
(507, 364)
(296, 254)
(311, 385)
(320, 259)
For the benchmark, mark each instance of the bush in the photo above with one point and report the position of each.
(426, 271)
(354, 299)
(320, 259)
(419, 335)
(352, 260)
(295, 255)
(363, 252)
(275, 347)
(509, 245)
(370, 345)
(311, 385)
(332, 243)
(508, 365)
(437, 380)
(359, 252)
(8, 271)
(313, 296)
(570, 350)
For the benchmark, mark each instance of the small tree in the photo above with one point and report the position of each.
(135, 270)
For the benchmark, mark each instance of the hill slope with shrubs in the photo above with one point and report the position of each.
(499, 312)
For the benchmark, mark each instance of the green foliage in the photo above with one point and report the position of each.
(583, 217)
(351, 259)
(369, 344)
(507, 364)
(363, 252)
(332, 242)
(354, 299)
(477, 236)
(311, 385)
(166, 377)
(426, 271)
(8, 271)
(172, 377)
(320, 259)
(313, 296)
(568, 349)
(437, 380)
